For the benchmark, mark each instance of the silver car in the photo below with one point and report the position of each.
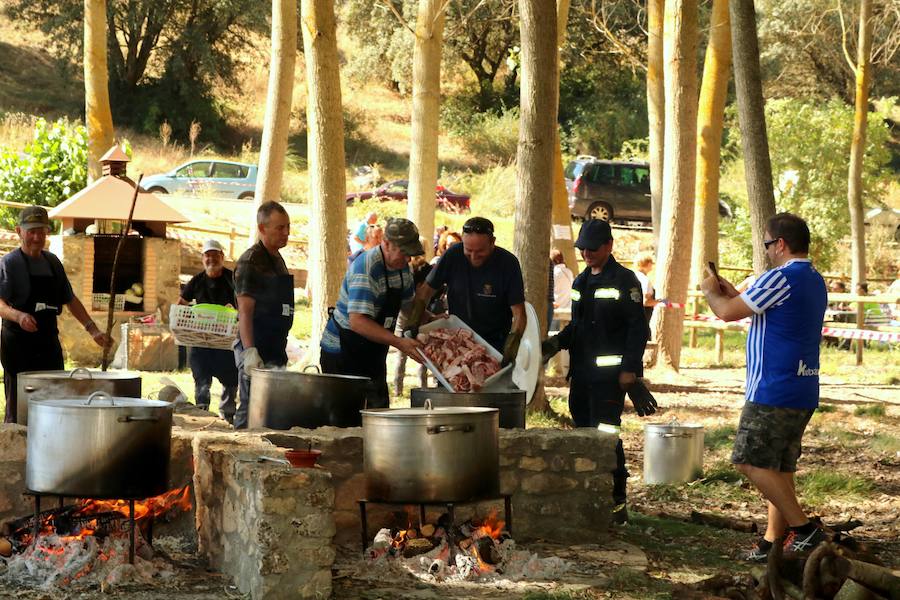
(206, 176)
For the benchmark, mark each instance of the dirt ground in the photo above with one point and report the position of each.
(849, 469)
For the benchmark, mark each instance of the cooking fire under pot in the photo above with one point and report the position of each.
(80, 382)
(282, 399)
(99, 447)
(425, 455)
(511, 403)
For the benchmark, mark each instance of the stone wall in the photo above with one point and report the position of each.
(560, 481)
(268, 525)
(13, 503)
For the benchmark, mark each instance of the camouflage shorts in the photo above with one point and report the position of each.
(769, 437)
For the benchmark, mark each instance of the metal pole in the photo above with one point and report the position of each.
(365, 528)
(131, 532)
(37, 519)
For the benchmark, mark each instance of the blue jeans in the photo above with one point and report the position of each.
(241, 411)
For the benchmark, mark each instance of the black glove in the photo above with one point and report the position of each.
(549, 348)
(643, 400)
(511, 348)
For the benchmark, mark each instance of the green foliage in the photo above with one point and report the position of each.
(493, 191)
(52, 167)
(823, 485)
(869, 410)
(492, 137)
(166, 59)
(809, 144)
(719, 437)
(601, 105)
(810, 149)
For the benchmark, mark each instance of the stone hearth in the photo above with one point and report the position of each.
(275, 529)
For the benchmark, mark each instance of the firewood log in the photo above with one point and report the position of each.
(723, 522)
(872, 576)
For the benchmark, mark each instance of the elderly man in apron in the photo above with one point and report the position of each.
(265, 297)
(33, 290)
(361, 328)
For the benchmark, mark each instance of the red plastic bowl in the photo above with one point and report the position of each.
(303, 458)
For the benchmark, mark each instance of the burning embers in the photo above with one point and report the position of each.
(89, 542)
(477, 550)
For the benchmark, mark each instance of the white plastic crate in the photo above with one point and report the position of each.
(101, 302)
(204, 325)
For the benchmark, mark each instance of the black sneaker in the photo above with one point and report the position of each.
(799, 542)
(759, 555)
(619, 514)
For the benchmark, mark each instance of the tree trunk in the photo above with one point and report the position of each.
(752, 118)
(858, 147)
(534, 159)
(562, 219)
(656, 111)
(97, 114)
(680, 41)
(538, 103)
(277, 124)
(328, 185)
(426, 104)
(710, 123)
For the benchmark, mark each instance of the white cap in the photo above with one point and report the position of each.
(212, 245)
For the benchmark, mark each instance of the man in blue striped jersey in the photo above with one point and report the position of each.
(361, 327)
(787, 306)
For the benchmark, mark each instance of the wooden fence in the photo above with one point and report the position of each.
(861, 322)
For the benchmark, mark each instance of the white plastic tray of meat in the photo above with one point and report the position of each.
(461, 358)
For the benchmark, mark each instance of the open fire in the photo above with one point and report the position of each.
(477, 550)
(89, 542)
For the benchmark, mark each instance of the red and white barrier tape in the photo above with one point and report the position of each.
(861, 334)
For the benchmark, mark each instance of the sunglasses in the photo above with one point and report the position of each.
(482, 229)
(768, 243)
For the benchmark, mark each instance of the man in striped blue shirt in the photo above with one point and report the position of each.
(787, 306)
(361, 328)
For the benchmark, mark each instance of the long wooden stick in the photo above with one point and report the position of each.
(112, 276)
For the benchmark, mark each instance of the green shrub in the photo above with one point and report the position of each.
(52, 167)
(492, 138)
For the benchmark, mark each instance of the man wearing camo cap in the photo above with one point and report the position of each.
(361, 328)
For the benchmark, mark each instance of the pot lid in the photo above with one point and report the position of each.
(428, 412)
(673, 425)
(528, 361)
(284, 373)
(102, 400)
(81, 373)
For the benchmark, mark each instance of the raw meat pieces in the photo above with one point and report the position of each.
(461, 360)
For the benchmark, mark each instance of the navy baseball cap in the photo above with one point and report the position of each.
(594, 233)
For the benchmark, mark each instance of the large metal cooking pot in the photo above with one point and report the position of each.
(673, 452)
(80, 382)
(511, 403)
(448, 454)
(99, 447)
(285, 399)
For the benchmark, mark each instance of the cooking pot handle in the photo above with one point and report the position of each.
(316, 367)
(674, 435)
(30, 388)
(99, 394)
(80, 370)
(131, 419)
(467, 428)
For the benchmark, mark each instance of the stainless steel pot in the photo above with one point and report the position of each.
(673, 452)
(446, 454)
(285, 399)
(80, 382)
(511, 404)
(99, 447)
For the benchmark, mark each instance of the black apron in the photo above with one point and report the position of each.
(21, 350)
(272, 319)
(365, 358)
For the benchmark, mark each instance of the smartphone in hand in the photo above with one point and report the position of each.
(712, 269)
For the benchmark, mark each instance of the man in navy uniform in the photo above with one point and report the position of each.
(605, 339)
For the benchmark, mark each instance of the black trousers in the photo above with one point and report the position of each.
(377, 395)
(207, 363)
(21, 352)
(592, 403)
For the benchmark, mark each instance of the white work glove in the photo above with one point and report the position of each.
(250, 360)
